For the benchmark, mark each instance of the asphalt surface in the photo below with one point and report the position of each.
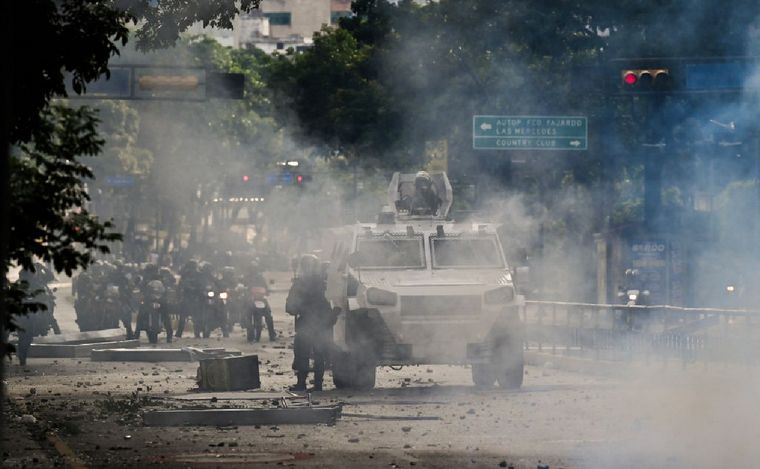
(88, 414)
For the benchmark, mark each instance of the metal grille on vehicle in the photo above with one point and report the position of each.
(452, 305)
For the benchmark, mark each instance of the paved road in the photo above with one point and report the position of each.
(656, 418)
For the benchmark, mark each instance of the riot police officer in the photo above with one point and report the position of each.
(227, 284)
(190, 295)
(85, 288)
(213, 313)
(149, 273)
(306, 301)
(154, 313)
(118, 278)
(425, 200)
(35, 323)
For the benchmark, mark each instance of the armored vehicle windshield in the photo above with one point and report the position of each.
(466, 252)
(391, 252)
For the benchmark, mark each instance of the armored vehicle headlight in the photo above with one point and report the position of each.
(499, 296)
(377, 296)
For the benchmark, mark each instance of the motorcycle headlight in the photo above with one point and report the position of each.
(633, 296)
(223, 295)
(500, 295)
(210, 294)
(380, 297)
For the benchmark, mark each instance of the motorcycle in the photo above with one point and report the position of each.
(110, 308)
(214, 312)
(237, 306)
(258, 312)
(153, 315)
(116, 307)
(633, 319)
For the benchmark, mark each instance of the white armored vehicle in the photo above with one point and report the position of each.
(415, 288)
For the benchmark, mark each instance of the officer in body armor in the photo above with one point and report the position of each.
(118, 278)
(313, 322)
(154, 313)
(190, 294)
(425, 200)
(35, 323)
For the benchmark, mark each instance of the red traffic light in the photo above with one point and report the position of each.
(299, 179)
(246, 178)
(646, 80)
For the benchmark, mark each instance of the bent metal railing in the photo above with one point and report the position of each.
(621, 332)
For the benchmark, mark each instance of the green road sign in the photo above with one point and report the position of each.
(529, 133)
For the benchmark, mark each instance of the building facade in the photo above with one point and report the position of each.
(280, 24)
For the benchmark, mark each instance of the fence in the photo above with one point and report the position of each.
(621, 332)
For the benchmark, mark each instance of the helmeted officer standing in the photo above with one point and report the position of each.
(190, 295)
(38, 322)
(313, 317)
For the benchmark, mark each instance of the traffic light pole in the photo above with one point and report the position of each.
(652, 188)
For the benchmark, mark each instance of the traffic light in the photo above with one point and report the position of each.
(678, 75)
(645, 79)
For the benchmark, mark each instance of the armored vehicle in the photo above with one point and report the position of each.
(417, 288)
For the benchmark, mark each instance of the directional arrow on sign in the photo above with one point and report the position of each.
(575, 143)
(486, 126)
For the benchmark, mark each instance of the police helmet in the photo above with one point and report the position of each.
(228, 272)
(206, 268)
(423, 179)
(156, 289)
(190, 266)
(309, 265)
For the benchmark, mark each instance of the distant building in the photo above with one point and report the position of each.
(279, 24)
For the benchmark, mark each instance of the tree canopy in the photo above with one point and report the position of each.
(47, 217)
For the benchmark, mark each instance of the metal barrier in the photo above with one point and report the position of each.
(622, 332)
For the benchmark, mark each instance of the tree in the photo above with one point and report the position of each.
(328, 91)
(46, 215)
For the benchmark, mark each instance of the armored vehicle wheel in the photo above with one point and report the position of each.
(509, 363)
(483, 374)
(350, 373)
(364, 378)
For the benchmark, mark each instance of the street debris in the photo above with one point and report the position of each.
(229, 374)
(153, 355)
(87, 337)
(28, 418)
(391, 417)
(76, 350)
(227, 417)
(231, 396)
